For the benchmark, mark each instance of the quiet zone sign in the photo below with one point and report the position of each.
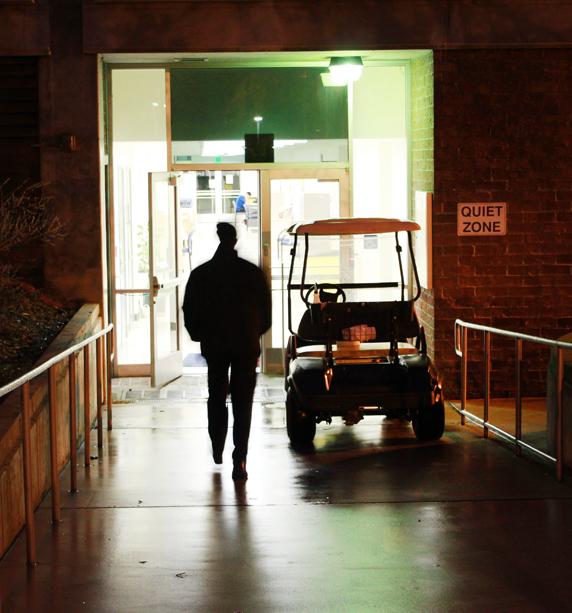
(481, 218)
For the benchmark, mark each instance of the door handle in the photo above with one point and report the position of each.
(156, 287)
(176, 282)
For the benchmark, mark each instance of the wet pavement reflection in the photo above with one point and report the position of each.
(367, 519)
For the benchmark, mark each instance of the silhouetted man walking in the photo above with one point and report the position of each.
(227, 308)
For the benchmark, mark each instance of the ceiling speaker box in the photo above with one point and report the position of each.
(259, 148)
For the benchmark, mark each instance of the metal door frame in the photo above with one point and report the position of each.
(174, 361)
(340, 173)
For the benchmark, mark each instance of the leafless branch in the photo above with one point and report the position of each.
(25, 216)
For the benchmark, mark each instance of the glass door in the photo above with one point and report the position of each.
(165, 279)
(289, 197)
(207, 197)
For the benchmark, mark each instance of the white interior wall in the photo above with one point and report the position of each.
(378, 126)
(139, 147)
(139, 129)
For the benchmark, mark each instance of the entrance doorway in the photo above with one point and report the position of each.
(352, 158)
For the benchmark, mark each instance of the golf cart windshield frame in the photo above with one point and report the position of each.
(349, 227)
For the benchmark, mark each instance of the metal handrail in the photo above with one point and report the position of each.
(500, 332)
(32, 374)
(461, 349)
(103, 370)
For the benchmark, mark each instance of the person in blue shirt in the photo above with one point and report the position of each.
(239, 204)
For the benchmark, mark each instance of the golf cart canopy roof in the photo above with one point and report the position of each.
(356, 225)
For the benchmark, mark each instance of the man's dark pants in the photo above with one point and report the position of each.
(241, 385)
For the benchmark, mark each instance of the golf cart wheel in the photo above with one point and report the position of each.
(301, 429)
(429, 423)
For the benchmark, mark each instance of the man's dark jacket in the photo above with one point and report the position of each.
(227, 305)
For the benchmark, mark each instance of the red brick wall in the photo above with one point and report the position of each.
(422, 174)
(503, 133)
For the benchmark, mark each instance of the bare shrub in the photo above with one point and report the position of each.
(25, 216)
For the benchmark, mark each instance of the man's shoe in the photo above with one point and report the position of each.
(239, 471)
(217, 453)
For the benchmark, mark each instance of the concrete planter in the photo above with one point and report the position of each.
(85, 322)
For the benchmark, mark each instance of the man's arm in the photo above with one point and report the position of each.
(192, 308)
(265, 301)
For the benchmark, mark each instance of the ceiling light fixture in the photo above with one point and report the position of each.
(343, 70)
(329, 80)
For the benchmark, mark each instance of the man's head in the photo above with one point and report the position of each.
(226, 234)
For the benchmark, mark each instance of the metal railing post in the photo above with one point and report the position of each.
(487, 382)
(518, 396)
(98, 368)
(53, 406)
(461, 331)
(559, 413)
(103, 372)
(27, 462)
(86, 408)
(72, 372)
(464, 344)
(32, 487)
(108, 352)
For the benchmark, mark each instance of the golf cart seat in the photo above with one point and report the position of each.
(380, 322)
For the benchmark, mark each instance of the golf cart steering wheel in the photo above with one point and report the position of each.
(325, 296)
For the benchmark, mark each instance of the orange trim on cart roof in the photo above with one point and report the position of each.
(354, 225)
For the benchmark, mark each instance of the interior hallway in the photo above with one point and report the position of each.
(371, 521)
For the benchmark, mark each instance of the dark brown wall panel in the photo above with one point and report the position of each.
(510, 22)
(262, 25)
(139, 26)
(19, 153)
(24, 28)
(69, 107)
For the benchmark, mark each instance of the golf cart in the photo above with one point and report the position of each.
(350, 357)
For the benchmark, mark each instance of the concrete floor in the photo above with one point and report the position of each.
(370, 521)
